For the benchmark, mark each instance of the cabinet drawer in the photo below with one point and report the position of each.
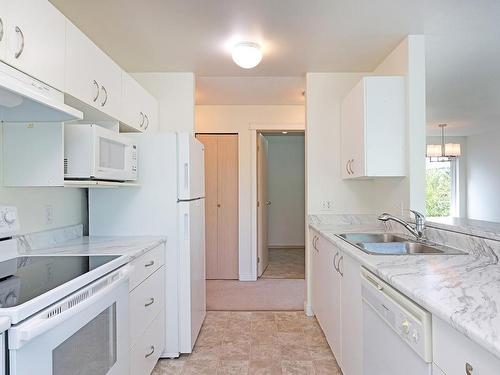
(146, 301)
(144, 266)
(453, 351)
(147, 350)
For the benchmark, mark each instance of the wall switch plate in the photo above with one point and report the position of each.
(48, 212)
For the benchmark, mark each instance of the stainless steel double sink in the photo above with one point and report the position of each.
(395, 244)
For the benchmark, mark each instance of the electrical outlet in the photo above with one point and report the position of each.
(326, 205)
(48, 213)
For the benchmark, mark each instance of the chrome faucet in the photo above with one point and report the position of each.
(417, 231)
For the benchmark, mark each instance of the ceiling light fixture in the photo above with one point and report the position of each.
(443, 151)
(284, 132)
(247, 55)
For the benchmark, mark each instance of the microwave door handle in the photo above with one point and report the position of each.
(38, 325)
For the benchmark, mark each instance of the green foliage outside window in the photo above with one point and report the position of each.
(438, 192)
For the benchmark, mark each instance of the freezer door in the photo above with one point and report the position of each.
(191, 166)
(192, 299)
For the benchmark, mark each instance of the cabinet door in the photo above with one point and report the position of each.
(91, 76)
(34, 31)
(352, 133)
(329, 295)
(436, 370)
(138, 107)
(314, 255)
(352, 317)
(3, 23)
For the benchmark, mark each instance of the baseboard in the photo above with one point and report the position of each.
(308, 309)
(286, 246)
(247, 277)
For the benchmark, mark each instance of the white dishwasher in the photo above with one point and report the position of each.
(397, 332)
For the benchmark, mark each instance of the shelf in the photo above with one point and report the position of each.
(98, 184)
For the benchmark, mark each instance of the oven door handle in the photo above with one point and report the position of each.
(66, 308)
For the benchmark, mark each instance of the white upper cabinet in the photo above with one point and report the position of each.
(91, 76)
(373, 118)
(139, 108)
(32, 39)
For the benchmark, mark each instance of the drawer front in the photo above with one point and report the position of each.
(456, 354)
(146, 301)
(147, 350)
(144, 266)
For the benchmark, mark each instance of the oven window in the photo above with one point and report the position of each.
(91, 350)
(111, 154)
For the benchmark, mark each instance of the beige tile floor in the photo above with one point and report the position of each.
(237, 343)
(285, 264)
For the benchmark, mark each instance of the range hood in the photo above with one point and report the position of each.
(25, 99)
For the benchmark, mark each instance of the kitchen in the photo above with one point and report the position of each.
(103, 200)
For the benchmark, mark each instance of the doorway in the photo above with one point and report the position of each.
(280, 205)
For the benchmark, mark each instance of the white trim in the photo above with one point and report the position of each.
(308, 309)
(248, 277)
(278, 127)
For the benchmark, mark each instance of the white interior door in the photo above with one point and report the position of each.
(262, 205)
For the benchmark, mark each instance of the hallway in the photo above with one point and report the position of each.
(285, 263)
(241, 343)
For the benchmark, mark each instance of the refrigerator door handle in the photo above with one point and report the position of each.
(186, 226)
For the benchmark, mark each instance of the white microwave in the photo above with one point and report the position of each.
(92, 152)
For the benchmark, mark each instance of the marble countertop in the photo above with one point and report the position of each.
(463, 290)
(130, 247)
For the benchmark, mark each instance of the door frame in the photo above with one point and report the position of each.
(267, 128)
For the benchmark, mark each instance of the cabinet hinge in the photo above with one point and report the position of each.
(258, 204)
(258, 259)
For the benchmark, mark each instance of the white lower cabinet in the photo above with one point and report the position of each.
(436, 370)
(336, 302)
(455, 354)
(147, 311)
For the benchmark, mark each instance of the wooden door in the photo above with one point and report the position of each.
(262, 205)
(211, 231)
(221, 205)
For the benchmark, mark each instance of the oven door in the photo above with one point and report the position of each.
(115, 156)
(83, 334)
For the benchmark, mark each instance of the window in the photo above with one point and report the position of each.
(442, 188)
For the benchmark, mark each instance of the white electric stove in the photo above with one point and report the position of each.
(67, 314)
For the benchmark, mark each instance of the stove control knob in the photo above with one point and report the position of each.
(405, 327)
(9, 217)
(10, 299)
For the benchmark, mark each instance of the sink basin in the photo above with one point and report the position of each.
(372, 237)
(391, 244)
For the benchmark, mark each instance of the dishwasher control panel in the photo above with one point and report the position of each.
(410, 321)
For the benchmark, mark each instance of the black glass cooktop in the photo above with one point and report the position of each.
(24, 278)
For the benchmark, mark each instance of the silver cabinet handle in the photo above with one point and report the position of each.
(350, 165)
(335, 261)
(341, 272)
(21, 48)
(151, 301)
(103, 89)
(151, 351)
(315, 239)
(96, 96)
(347, 167)
(141, 122)
(1, 29)
(149, 264)
(147, 122)
(468, 369)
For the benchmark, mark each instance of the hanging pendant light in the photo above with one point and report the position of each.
(444, 151)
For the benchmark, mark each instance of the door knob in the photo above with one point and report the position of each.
(268, 203)
(218, 205)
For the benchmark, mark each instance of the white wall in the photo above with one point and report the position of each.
(286, 184)
(69, 205)
(483, 176)
(176, 96)
(238, 119)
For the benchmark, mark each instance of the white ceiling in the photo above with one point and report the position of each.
(299, 36)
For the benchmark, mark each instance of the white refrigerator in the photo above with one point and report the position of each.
(169, 202)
